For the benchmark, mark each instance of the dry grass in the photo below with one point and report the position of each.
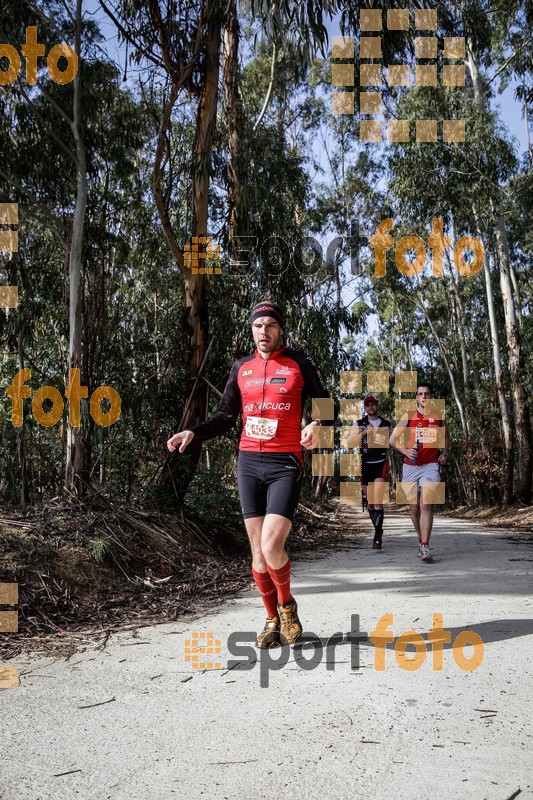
(518, 517)
(86, 568)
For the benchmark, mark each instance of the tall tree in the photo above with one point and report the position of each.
(77, 452)
(524, 463)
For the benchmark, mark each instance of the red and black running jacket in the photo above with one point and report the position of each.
(270, 389)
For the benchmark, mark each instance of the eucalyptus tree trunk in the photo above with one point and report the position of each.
(21, 445)
(76, 457)
(195, 289)
(195, 284)
(524, 463)
(498, 379)
(458, 316)
(233, 107)
(458, 402)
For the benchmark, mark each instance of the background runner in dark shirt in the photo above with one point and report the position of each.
(373, 462)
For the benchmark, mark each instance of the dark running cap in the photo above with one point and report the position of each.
(267, 309)
(370, 399)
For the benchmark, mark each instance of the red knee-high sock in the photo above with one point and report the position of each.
(281, 578)
(268, 592)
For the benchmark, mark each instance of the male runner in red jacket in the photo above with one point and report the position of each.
(269, 388)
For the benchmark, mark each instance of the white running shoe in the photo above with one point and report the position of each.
(419, 554)
(425, 554)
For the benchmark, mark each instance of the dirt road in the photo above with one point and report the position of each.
(137, 721)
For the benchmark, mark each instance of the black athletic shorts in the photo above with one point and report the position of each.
(269, 483)
(371, 472)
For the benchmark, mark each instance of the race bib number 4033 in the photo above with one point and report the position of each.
(260, 428)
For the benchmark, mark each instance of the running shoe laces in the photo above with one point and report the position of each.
(290, 628)
(425, 554)
(269, 636)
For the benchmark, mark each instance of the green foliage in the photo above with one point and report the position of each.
(100, 548)
(303, 173)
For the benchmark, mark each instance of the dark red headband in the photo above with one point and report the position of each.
(267, 310)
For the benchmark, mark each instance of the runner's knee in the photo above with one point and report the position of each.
(272, 547)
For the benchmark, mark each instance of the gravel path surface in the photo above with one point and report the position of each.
(136, 721)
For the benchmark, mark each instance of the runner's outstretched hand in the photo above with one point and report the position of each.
(183, 438)
(307, 436)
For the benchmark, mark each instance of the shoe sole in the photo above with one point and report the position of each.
(428, 560)
(285, 642)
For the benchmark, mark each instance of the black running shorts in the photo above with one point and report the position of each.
(371, 472)
(269, 483)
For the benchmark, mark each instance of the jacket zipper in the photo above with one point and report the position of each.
(263, 402)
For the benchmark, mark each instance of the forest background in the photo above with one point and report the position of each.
(214, 118)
